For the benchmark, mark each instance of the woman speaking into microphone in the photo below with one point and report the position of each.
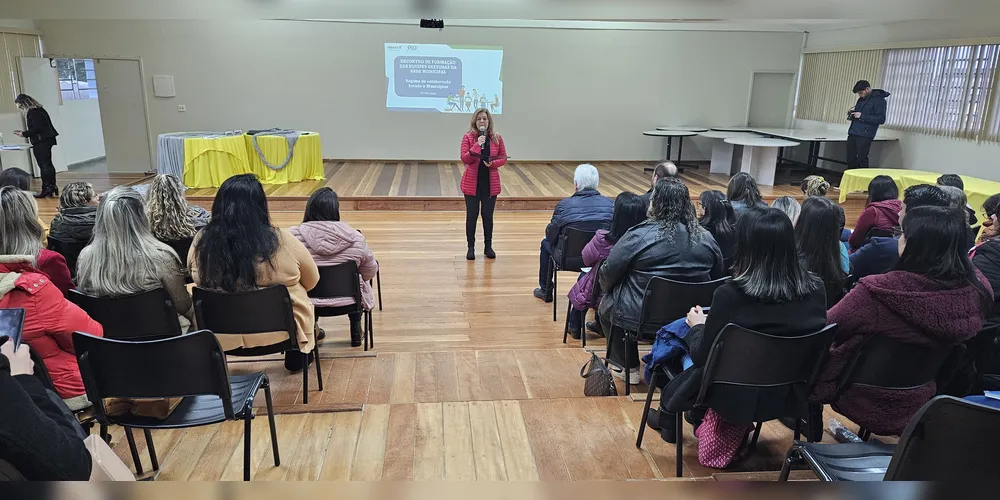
(483, 153)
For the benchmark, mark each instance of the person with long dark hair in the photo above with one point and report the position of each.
(772, 291)
(630, 209)
(743, 193)
(670, 244)
(817, 238)
(881, 212)
(483, 153)
(42, 136)
(719, 218)
(330, 242)
(240, 250)
(15, 177)
(934, 298)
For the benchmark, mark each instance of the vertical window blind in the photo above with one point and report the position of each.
(12, 46)
(827, 79)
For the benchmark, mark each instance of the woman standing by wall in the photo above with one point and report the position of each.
(481, 180)
(42, 136)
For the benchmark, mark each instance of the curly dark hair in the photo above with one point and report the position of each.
(671, 205)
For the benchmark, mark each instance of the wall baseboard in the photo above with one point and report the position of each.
(85, 162)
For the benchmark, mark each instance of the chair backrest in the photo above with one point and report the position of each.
(749, 359)
(891, 364)
(182, 247)
(569, 250)
(188, 365)
(666, 300)
(258, 311)
(69, 250)
(949, 439)
(341, 280)
(142, 316)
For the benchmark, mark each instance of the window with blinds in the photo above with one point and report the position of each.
(827, 79)
(12, 46)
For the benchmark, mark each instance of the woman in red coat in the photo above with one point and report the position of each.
(481, 180)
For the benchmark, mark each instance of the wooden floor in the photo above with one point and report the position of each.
(469, 379)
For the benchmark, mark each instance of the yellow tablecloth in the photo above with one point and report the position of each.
(976, 189)
(209, 162)
(306, 162)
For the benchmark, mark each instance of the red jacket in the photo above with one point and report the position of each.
(470, 157)
(49, 322)
(882, 215)
(53, 265)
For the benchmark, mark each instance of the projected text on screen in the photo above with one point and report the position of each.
(443, 78)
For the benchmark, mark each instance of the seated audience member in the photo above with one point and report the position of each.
(743, 193)
(816, 236)
(881, 213)
(37, 438)
(15, 177)
(629, 211)
(815, 185)
(240, 250)
(718, 218)
(986, 256)
(21, 235)
(789, 205)
(74, 220)
(332, 242)
(670, 244)
(956, 181)
(934, 298)
(960, 201)
(880, 254)
(171, 218)
(771, 292)
(661, 171)
(586, 210)
(125, 259)
(49, 323)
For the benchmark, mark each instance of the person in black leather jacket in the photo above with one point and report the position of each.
(670, 244)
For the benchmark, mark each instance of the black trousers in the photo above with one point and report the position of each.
(857, 151)
(474, 205)
(43, 156)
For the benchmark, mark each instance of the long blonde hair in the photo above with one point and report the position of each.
(489, 128)
(169, 218)
(20, 231)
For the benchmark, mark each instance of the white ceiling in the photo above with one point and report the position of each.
(777, 15)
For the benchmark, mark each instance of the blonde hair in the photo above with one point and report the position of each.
(489, 128)
(77, 194)
(20, 231)
(815, 185)
(169, 217)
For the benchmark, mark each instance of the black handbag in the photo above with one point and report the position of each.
(597, 380)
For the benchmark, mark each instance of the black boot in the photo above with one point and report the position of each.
(488, 251)
(471, 254)
(47, 191)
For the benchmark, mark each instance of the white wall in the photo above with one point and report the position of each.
(81, 137)
(569, 94)
(919, 151)
(24, 24)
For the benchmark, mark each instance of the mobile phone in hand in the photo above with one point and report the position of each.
(12, 325)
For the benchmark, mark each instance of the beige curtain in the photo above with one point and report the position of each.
(12, 46)
(827, 79)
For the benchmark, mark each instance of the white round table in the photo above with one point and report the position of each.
(668, 144)
(722, 151)
(689, 129)
(760, 156)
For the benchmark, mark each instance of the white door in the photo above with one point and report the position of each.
(40, 80)
(123, 115)
(771, 98)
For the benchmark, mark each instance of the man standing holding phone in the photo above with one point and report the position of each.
(865, 117)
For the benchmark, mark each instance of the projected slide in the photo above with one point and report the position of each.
(443, 78)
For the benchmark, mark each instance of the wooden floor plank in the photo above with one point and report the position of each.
(399, 448)
(342, 447)
(336, 378)
(459, 458)
(425, 384)
(370, 453)
(404, 378)
(361, 375)
(519, 463)
(383, 376)
(428, 443)
(486, 444)
(540, 421)
(446, 375)
(260, 445)
(289, 436)
(467, 366)
(183, 458)
(510, 376)
(307, 462)
(212, 463)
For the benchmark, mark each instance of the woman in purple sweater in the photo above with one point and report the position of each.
(629, 211)
(933, 298)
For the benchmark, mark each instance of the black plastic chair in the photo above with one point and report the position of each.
(595, 298)
(949, 439)
(663, 302)
(889, 364)
(343, 280)
(191, 366)
(567, 256)
(182, 247)
(746, 359)
(69, 250)
(259, 311)
(142, 316)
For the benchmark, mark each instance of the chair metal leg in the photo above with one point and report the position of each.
(864, 434)
(305, 378)
(645, 410)
(555, 285)
(247, 415)
(626, 371)
(756, 435)
(679, 430)
(135, 453)
(371, 331)
(319, 370)
(270, 422)
(798, 429)
(152, 451)
(786, 468)
(105, 435)
(364, 332)
(566, 326)
(583, 328)
(378, 282)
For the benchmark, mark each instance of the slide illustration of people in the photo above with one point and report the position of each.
(453, 104)
(465, 101)
(495, 103)
(482, 101)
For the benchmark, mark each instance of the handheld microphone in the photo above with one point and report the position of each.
(485, 154)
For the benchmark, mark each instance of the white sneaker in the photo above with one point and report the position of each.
(634, 375)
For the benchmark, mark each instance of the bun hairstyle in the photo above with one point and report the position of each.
(815, 185)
